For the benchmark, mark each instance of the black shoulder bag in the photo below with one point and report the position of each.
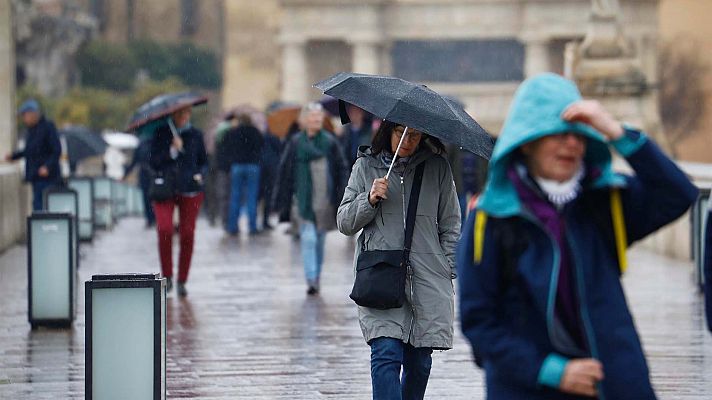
(163, 185)
(381, 274)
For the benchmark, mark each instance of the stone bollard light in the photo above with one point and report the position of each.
(59, 199)
(50, 269)
(125, 337)
(85, 194)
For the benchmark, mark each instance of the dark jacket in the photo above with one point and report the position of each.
(240, 145)
(140, 159)
(192, 160)
(284, 191)
(708, 268)
(510, 264)
(271, 152)
(42, 148)
(351, 140)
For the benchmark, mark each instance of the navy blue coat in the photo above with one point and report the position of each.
(192, 160)
(708, 268)
(509, 320)
(42, 148)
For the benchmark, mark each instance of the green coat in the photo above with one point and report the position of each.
(426, 320)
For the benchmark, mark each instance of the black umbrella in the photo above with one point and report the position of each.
(162, 106)
(82, 143)
(411, 105)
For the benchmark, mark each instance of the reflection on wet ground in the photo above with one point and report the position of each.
(248, 330)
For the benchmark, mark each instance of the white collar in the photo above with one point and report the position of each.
(560, 193)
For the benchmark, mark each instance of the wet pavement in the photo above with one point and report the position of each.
(247, 330)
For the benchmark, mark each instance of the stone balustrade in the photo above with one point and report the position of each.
(14, 205)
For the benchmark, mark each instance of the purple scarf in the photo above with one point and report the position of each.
(535, 201)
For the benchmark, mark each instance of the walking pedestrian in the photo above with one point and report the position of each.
(271, 152)
(243, 147)
(708, 267)
(310, 183)
(140, 159)
(356, 134)
(404, 337)
(541, 256)
(41, 153)
(182, 156)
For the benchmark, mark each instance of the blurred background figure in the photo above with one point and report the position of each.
(271, 152)
(41, 152)
(357, 133)
(242, 149)
(310, 183)
(183, 156)
(221, 167)
(141, 159)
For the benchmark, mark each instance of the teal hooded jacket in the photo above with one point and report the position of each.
(508, 283)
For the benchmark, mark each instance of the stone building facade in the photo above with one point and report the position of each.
(476, 50)
(169, 21)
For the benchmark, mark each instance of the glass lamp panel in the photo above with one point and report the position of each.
(122, 343)
(50, 269)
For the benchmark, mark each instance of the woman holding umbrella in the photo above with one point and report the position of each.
(178, 150)
(375, 203)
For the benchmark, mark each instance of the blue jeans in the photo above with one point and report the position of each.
(387, 357)
(312, 242)
(38, 188)
(247, 177)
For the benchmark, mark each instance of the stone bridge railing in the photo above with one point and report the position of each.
(14, 206)
(674, 240)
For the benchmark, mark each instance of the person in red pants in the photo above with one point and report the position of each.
(180, 155)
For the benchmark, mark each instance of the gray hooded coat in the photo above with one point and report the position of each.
(426, 320)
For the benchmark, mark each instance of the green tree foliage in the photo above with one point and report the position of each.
(115, 66)
(106, 65)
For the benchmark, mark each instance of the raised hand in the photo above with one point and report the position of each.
(591, 112)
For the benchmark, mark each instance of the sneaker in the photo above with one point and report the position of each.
(312, 291)
(169, 284)
(182, 291)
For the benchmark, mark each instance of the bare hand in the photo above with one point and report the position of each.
(581, 376)
(591, 112)
(8, 157)
(177, 143)
(43, 172)
(379, 188)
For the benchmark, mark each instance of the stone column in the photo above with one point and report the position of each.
(7, 79)
(294, 70)
(536, 57)
(366, 57)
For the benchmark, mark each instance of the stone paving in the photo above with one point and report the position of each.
(248, 331)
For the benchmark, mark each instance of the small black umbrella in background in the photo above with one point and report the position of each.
(411, 105)
(162, 106)
(82, 143)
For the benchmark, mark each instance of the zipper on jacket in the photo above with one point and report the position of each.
(409, 267)
(554, 281)
(588, 329)
(553, 284)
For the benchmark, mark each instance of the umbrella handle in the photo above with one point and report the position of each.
(405, 132)
(174, 131)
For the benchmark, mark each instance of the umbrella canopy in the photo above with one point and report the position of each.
(82, 143)
(162, 106)
(280, 120)
(411, 105)
(120, 140)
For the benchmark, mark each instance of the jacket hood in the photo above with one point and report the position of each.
(535, 112)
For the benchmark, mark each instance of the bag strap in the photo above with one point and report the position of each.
(619, 229)
(412, 208)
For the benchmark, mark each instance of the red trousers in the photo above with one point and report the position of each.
(188, 208)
